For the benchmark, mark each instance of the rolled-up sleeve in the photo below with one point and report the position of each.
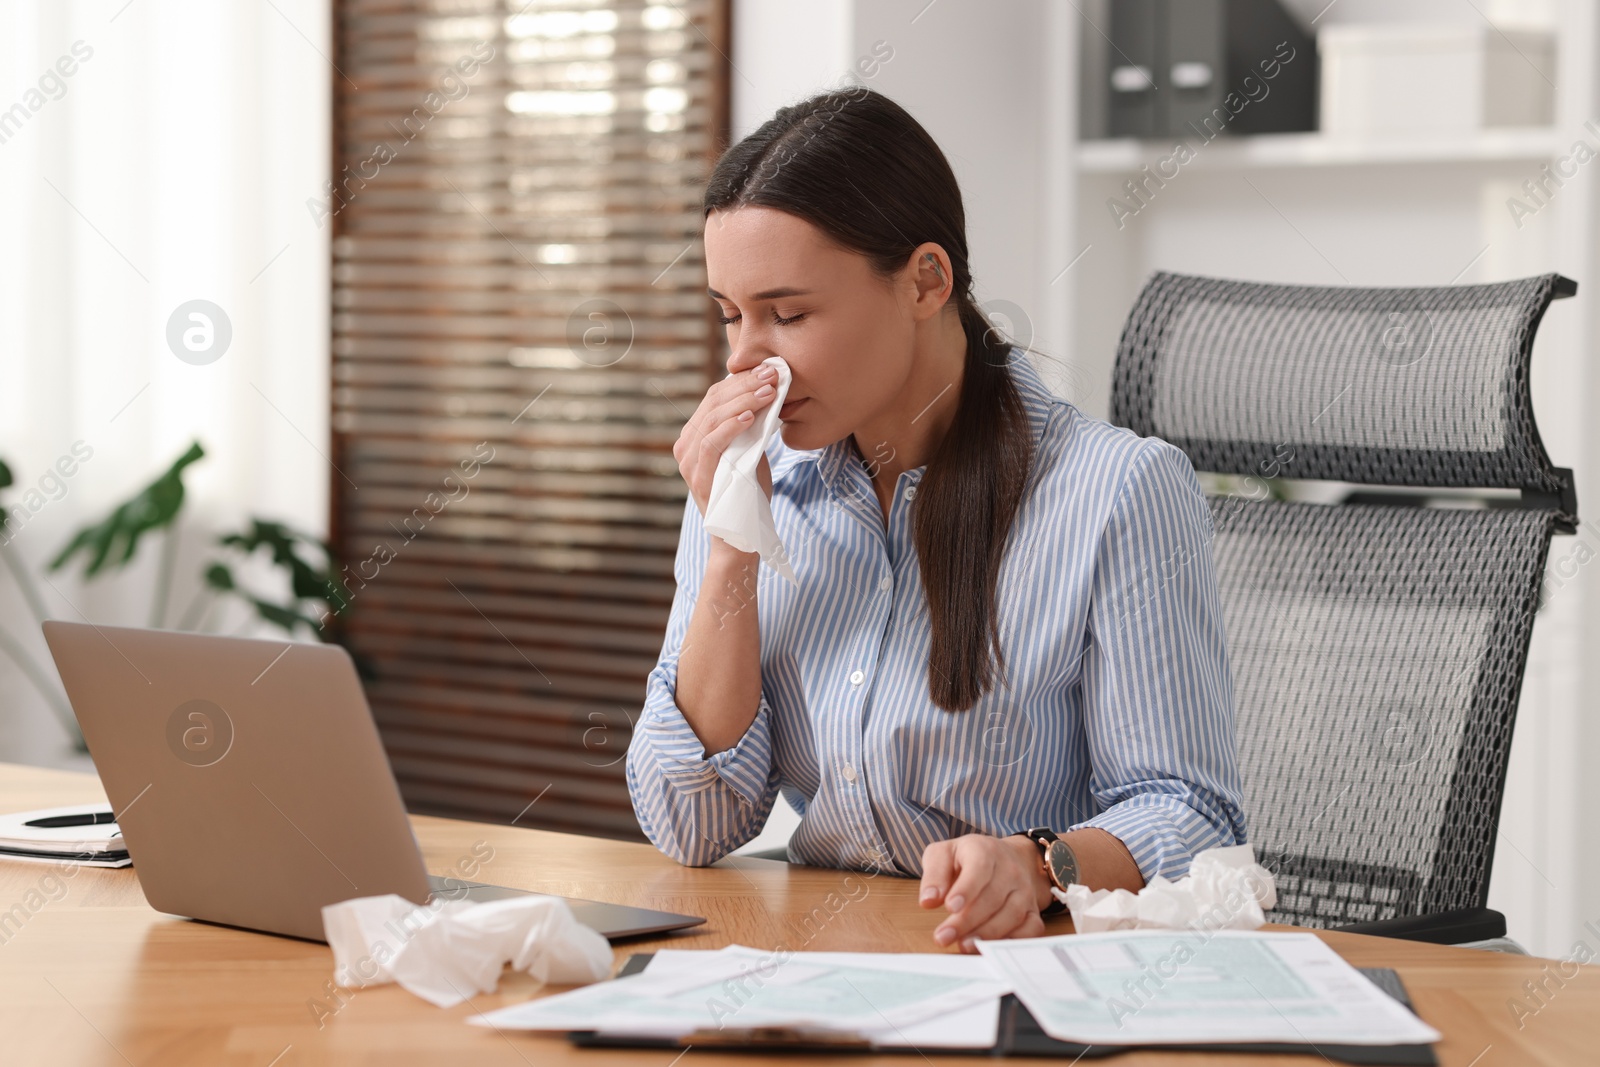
(695, 808)
(1157, 690)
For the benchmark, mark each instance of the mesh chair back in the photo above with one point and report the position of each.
(1377, 650)
(1425, 387)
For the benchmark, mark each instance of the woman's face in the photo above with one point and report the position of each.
(846, 333)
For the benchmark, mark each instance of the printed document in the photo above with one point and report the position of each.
(1138, 987)
(938, 1001)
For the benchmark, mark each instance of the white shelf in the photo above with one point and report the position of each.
(1319, 150)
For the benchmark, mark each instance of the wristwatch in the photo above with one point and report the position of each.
(1060, 863)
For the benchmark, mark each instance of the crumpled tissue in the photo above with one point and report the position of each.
(738, 511)
(1225, 889)
(448, 951)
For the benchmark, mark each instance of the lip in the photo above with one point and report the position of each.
(790, 407)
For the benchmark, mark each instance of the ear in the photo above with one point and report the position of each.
(931, 277)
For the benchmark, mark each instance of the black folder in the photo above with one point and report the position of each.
(1019, 1035)
(1250, 69)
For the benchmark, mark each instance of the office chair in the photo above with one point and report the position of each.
(1377, 649)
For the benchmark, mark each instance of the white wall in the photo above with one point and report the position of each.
(784, 52)
(971, 74)
(175, 165)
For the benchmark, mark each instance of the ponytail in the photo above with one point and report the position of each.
(966, 505)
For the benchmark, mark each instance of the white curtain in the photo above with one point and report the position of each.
(153, 153)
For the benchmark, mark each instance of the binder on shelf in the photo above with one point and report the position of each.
(1196, 69)
(1133, 68)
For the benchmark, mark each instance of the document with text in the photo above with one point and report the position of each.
(885, 998)
(1137, 987)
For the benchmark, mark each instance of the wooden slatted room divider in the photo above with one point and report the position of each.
(520, 327)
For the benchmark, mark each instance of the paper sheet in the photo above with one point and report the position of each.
(738, 511)
(974, 1027)
(890, 999)
(1158, 987)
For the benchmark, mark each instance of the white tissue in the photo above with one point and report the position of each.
(451, 950)
(738, 511)
(1225, 889)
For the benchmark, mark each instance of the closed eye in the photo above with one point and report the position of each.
(776, 318)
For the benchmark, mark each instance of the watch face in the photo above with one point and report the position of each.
(1062, 863)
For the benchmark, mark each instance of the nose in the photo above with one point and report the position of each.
(746, 355)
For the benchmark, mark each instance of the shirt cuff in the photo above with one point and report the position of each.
(679, 753)
(1162, 833)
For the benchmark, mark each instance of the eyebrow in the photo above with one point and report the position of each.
(766, 294)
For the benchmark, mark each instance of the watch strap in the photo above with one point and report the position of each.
(1043, 837)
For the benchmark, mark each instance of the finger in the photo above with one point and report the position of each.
(717, 429)
(728, 397)
(988, 902)
(731, 405)
(725, 420)
(728, 408)
(1016, 917)
(760, 372)
(744, 379)
(701, 473)
(708, 452)
(744, 382)
(938, 871)
(975, 859)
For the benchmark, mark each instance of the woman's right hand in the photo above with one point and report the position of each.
(728, 409)
(719, 663)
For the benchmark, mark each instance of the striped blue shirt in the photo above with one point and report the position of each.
(1119, 708)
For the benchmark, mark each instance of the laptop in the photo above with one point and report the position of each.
(250, 784)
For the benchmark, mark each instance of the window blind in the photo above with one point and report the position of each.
(520, 328)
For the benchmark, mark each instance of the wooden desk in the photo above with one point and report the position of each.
(94, 976)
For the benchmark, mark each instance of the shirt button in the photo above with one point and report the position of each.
(849, 773)
(885, 584)
(857, 677)
(911, 492)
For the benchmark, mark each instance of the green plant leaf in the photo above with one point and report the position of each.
(153, 508)
(307, 581)
(220, 578)
(285, 617)
(310, 579)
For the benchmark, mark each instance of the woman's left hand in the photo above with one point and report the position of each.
(994, 887)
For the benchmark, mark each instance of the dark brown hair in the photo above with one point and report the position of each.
(859, 168)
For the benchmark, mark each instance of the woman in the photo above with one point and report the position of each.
(1006, 619)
